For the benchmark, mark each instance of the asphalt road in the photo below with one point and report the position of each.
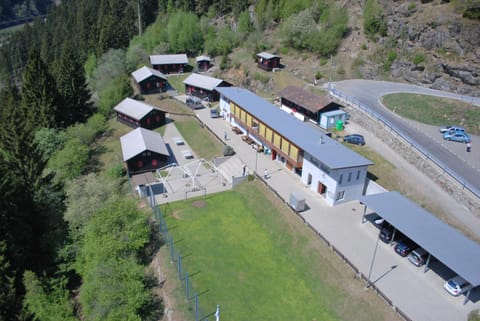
(369, 92)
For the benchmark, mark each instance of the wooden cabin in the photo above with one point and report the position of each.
(149, 80)
(143, 150)
(203, 63)
(169, 64)
(135, 114)
(268, 61)
(203, 86)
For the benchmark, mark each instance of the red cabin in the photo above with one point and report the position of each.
(168, 64)
(135, 113)
(267, 61)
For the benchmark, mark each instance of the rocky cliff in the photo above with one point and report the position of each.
(438, 48)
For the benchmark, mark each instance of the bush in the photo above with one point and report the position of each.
(364, 47)
(116, 171)
(418, 58)
(228, 151)
(318, 75)
(373, 21)
(474, 315)
(391, 56)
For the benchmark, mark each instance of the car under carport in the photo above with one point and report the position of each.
(446, 244)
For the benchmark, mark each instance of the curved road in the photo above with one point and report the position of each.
(451, 154)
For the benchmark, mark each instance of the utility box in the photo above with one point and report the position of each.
(297, 201)
(331, 119)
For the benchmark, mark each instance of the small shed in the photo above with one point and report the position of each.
(331, 119)
(268, 61)
(149, 80)
(135, 113)
(203, 63)
(168, 64)
(203, 86)
(305, 105)
(143, 150)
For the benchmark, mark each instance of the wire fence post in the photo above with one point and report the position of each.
(179, 267)
(187, 286)
(196, 306)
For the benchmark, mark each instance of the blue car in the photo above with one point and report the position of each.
(457, 137)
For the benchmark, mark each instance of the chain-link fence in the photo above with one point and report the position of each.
(191, 294)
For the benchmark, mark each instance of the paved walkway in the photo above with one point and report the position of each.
(420, 295)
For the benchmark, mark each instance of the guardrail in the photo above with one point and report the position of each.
(335, 92)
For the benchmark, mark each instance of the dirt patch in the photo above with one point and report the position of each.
(176, 215)
(199, 204)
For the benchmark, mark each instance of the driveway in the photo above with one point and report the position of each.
(452, 155)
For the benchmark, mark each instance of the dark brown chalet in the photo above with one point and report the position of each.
(267, 61)
(203, 63)
(149, 80)
(143, 151)
(304, 104)
(168, 64)
(135, 113)
(203, 86)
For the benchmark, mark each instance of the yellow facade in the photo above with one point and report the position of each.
(276, 140)
(248, 120)
(294, 152)
(285, 146)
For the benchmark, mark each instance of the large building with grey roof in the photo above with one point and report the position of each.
(203, 86)
(143, 150)
(168, 64)
(324, 165)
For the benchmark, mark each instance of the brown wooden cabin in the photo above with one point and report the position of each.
(169, 64)
(268, 61)
(143, 151)
(149, 80)
(203, 63)
(204, 86)
(135, 113)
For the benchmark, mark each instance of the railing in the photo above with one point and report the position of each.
(335, 92)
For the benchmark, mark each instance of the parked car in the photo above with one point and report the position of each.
(457, 137)
(404, 247)
(457, 285)
(354, 139)
(451, 128)
(194, 102)
(214, 113)
(386, 233)
(418, 257)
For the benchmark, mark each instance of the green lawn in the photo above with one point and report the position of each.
(200, 139)
(248, 253)
(176, 81)
(435, 110)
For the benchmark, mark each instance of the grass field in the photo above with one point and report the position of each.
(435, 110)
(176, 81)
(201, 140)
(250, 254)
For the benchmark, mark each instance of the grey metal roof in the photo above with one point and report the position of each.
(139, 140)
(333, 113)
(133, 108)
(201, 81)
(146, 72)
(168, 59)
(452, 248)
(202, 58)
(266, 55)
(312, 140)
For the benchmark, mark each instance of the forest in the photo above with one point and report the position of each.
(72, 246)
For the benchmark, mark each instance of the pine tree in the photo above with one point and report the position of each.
(39, 94)
(75, 98)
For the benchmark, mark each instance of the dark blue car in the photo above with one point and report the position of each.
(354, 139)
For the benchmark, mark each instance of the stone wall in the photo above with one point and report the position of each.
(412, 155)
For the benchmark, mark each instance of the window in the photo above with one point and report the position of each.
(340, 195)
(139, 164)
(340, 180)
(358, 175)
(349, 177)
(154, 162)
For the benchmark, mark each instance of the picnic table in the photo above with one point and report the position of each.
(178, 140)
(187, 154)
(237, 130)
(247, 140)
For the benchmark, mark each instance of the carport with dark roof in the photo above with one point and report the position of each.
(446, 244)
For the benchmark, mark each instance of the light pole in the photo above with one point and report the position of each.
(371, 264)
(256, 161)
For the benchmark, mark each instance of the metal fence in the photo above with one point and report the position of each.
(335, 92)
(191, 294)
